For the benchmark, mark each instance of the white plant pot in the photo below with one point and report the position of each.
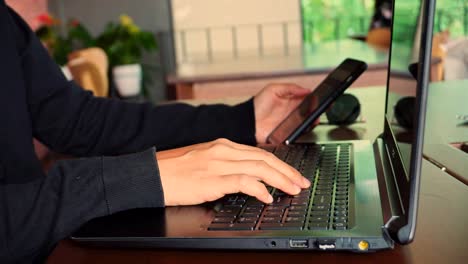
(66, 72)
(127, 79)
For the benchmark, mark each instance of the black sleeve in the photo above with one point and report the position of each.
(37, 210)
(41, 212)
(70, 120)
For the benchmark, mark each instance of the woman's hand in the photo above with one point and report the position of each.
(208, 171)
(273, 104)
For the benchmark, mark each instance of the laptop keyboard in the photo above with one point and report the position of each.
(324, 206)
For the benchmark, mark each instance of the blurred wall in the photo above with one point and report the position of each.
(151, 15)
(193, 18)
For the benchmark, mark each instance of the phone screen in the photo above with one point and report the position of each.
(315, 103)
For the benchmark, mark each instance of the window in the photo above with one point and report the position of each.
(325, 20)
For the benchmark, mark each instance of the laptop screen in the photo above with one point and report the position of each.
(410, 60)
(402, 76)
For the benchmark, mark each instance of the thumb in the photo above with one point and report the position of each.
(291, 91)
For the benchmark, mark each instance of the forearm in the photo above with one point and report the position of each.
(37, 214)
(86, 125)
(70, 120)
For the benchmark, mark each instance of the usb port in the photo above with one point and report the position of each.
(298, 243)
(326, 244)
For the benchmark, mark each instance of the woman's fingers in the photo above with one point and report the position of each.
(227, 152)
(208, 171)
(243, 183)
(289, 90)
(262, 171)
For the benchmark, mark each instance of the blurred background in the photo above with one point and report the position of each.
(157, 50)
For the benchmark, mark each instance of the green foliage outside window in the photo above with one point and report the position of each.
(452, 15)
(325, 20)
(407, 14)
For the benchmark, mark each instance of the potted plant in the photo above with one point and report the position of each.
(124, 43)
(75, 36)
(59, 42)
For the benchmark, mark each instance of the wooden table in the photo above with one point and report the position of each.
(441, 234)
(441, 237)
(247, 75)
(444, 130)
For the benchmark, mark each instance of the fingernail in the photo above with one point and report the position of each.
(298, 189)
(270, 198)
(306, 182)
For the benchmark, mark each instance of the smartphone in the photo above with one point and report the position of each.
(317, 102)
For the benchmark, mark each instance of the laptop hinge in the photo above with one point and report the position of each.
(389, 196)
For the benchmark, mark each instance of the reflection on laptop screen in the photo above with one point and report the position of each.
(402, 80)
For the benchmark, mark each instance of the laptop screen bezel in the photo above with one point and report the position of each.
(402, 228)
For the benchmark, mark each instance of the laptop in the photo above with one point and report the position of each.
(364, 195)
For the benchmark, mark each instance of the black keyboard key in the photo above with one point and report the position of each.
(273, 213)
(319, 213)
(249, 215)
(343, 213)
(339, 226)
(281, 200)
(226, 214)
(322, 199)
(320, 192)
(237, 203)
(318, 226)
(280, 193)
(242, 198)
(326, 173)
(300, 202)
(294, 219)
(242, 226)
(341, 202)
(247, 220)
(301, 208)
(296, 213)
(345, 184)
(341, 207)
(319, 219)
(281, 226)
(231, 198)
(325, 182)
(234, 226)
(254, 202)
(253, 209)
(271, 219)
(309, 173)
(343, 192)
(341, 219)
(275, 207)
(305, 195)
(328, 188)
(229, 211)
(223, 219)
(326, 202)
(341, 197)
(321, 207)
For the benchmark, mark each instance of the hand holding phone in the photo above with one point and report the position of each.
(317, 102)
